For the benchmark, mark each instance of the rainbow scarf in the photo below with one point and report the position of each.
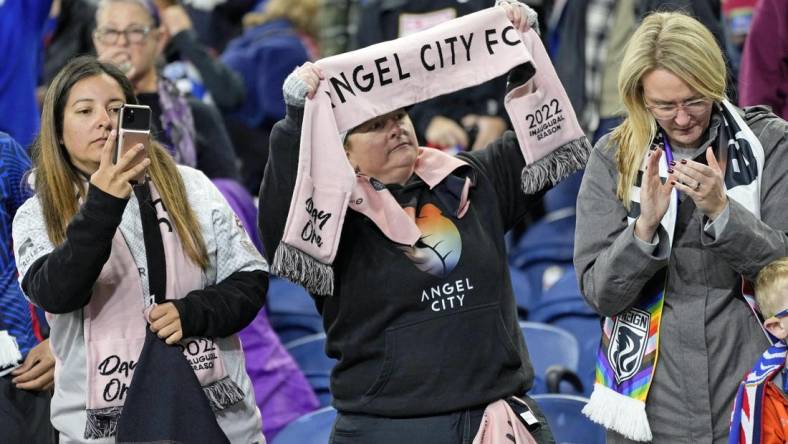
(629, 348)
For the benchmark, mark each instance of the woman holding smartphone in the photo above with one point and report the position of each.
(107, 260)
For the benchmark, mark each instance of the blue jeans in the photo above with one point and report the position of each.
(451, 428)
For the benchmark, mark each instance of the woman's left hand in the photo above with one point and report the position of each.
(165, 321)
(703, 184)
(37, 372)
(516, 13)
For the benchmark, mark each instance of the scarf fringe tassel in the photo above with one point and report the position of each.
(102, 423)
(297, 266)
(618, 413)
(556, 166)
(223, 393)
(9, 352)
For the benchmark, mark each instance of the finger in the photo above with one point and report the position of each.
(106, 150)
(711, 159)
(695, 168)
(162, 323)
(518, 17)
(135, 171)
(37, 370)
(168, 330)
(690, 191)
(27, 364)
(686, 179)
(318, 72)
(156, 312)
(128, 157)
(507, 8)
(652, 164)
(175, 337)
(39, 383)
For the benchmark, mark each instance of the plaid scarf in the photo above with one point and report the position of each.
(629, 348)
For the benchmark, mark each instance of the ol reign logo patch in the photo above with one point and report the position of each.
(628, 343)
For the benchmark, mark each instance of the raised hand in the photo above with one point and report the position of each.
(444, 132)
(311, 74)
(114, 178)
(654, 198)
(703, 184)
(516, 12)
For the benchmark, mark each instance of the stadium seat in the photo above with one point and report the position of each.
(567, 422)
(312, 428)
(563, 306)
(554, 353)
(310, 354)
(291, 311)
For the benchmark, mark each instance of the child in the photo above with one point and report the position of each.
(760, 414)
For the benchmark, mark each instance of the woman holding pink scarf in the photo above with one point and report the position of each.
(425, 333)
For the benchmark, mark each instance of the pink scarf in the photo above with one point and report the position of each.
(500, 425)
(372, 81)
(115, 325)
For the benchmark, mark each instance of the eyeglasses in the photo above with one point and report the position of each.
(781, 314)
(670, 111)
(132, 34)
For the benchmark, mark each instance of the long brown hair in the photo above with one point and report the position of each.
(676, 43)
(58, 184)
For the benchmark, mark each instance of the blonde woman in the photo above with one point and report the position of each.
(105, 257)
(679, 204)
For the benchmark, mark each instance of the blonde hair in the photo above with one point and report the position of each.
(59, 185)
(676, 43)
(301, 13)
(772, 281)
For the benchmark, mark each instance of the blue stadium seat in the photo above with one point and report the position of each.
(552, 350)
(523, 293)
(291, 311)
(310, 354)
(312, 428)
(567, 422)
(563, 306)
(544, 252)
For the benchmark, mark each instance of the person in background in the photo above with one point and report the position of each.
(679, 204)
(764, 67)
(68, 34)
(736, 21)
(271, 47)
(337, 24)
(225, 87)
(762, 393)
(26, 362)
(22, 24)
(129, 34)
(464, 120)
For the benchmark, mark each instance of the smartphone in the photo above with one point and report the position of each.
(133, 127)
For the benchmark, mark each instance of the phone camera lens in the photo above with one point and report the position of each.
(131, 115)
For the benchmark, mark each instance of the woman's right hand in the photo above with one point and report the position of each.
(114, 178)
(654, 198)
(310, 74)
